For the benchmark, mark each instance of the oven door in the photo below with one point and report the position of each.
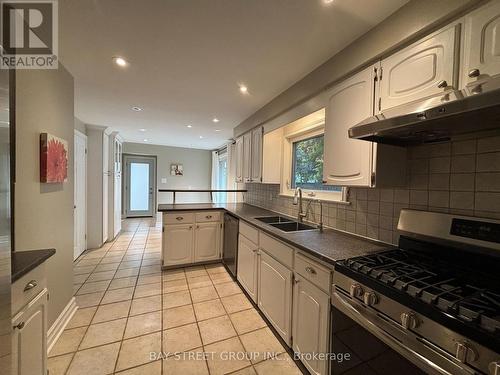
(367, 342)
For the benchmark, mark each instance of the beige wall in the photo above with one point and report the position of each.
(404, 26)
(197, 170)
(44, 212)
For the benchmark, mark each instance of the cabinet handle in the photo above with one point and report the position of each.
(474, 73)
(311, 270)
(208, 217)
(179, 218)
(197, 227)
(190, 227)
(442, 84)
(30, 285)
(19, 326)
(255, 250)
(296, 281)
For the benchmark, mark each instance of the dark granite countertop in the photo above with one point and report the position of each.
(24, 261)
(330, 245)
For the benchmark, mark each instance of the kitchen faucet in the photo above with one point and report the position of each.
(297, 199)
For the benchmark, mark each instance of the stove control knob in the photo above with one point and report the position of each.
(465, 352)
(370, 298)
(409, 320)
(494, 368)
(356, 290)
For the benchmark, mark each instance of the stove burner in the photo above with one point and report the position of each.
(444, 287)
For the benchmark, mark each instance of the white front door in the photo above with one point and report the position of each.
(140, 185)
(80, 204)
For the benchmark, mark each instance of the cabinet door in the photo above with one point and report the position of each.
(348, 162)
(272, 146)
(275, 294)
(248, 266)
(482, 42)
(311, 311)
(207, 241)
(256, 165)
(239, 159)
(247, 157)
(105, 185)
(419, 70)
(29, 338)
(177, 244)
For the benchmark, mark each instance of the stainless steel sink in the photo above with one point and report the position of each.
(274, 219)
(292, 226)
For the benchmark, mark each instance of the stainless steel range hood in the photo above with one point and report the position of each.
(475, 108)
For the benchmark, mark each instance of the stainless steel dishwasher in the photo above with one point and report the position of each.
(230, 248)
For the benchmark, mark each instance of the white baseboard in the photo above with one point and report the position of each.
(61, 322)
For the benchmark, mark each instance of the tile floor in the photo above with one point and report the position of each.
(193, 319)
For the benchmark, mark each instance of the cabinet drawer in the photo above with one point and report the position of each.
(27, 287)
(178, 218)
(277, 249)
(312, 271)
(205, 217)
(249, 232)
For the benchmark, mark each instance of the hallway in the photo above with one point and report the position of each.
(128, 308)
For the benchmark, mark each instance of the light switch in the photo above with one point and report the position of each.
(163, 180)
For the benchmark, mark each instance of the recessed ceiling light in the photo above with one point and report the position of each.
(243, 89)
(201, 137)
(120, 61)
(217, 130)
(145, 140)
(142, 130)
(327, 1)
(189, 126)
(136, 109)
(215, 119)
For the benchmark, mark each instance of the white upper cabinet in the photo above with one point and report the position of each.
(247, 156)
(482, 43)
(348, 162)
(239, 159)
(271, 156)
(256, 167)
(425, 68)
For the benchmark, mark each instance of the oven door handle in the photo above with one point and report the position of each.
(367, 320)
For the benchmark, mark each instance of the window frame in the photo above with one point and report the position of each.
(311, 131)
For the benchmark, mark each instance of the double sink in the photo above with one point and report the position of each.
(285, 224)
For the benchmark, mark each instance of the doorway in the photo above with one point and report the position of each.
(80, 204)
(140, 185)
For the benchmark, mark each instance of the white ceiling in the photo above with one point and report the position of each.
(187, 58)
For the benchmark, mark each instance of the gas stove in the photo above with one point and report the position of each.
(438, 293)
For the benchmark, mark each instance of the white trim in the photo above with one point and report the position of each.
(60, 324)
(80, 134)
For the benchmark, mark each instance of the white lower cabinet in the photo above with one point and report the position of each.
(177, 244)
(275, 294)
(248, 265)
(29, 337)
(207, 242)
(311, 312)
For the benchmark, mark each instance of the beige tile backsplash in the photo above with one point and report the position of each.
(461, 177)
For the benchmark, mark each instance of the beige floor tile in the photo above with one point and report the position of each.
(176, 299)
(88, 262)
(59, 365)
(133, 255)
(99, 360)
(247, 320)
(181, 339)
(100, 276)
(111, 259)
(204, 294)
(80, 270)
(170, 286)
(127, 272)
(143, 324)
(145, 305)
(216, 329)
(227, 289)
(208, 309)
(129, 264)
(124, 282)
(153, 368)
(236, 302)
(261, 341)
(137, 351)
(148, 270)
(199, 281)
(106, 267)
(112, 311)
(220, 278)
(97, 286)
(188, 363)
(213, 269)
(80, 279)
(82, 317)
(245, 371)
(118, 295)
(68, 341)
(151, 262)
(219, 363)
(103, 333)
(149, 279)
(76, 287)
(282, 365)
(147, 290)
(169, 275)
(178, 316)
(195, 271)
(88, 300)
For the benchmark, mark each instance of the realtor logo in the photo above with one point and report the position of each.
(29, 37)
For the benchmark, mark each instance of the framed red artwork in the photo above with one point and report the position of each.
(53, 159)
